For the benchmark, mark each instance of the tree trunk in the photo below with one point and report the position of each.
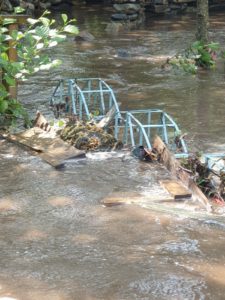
(202, 20)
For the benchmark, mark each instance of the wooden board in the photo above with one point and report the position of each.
(51, 149)
(176, 189)
(119, 198)
(174, 166)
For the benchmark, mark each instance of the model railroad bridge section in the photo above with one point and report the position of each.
(93, 98)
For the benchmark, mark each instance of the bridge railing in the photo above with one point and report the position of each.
(140, 126)
(85, 97)
(90, 98)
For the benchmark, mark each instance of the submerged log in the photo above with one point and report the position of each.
(174, 166)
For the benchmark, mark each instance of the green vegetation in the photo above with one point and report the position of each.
(198, 55)
(32, 45)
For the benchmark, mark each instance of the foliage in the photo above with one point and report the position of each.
(32, 45)
(198, 55)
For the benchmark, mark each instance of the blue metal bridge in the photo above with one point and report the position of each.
(84, 97)
(93, 98)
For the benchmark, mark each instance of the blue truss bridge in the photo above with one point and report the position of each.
(93, 98)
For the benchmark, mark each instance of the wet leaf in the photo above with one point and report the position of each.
(10, 80)
(18, 10)
(71, 29)
(32, 21)
(8, 21)
(3, 106)
(64, 17)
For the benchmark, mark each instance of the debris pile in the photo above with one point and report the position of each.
(210, 181)
(89, 137)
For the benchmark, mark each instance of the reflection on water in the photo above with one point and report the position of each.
(57, 241)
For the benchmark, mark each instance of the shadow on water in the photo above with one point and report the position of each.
(57, 241)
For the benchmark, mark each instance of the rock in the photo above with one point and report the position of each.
(132, 17)
(15, 2)
(163, 2)
(160, 8)
(6, 6)
(84, 36)
(123, 53)
(114, 27)
(55, 2)
(44, 6)
(119, 17)
(127, 8)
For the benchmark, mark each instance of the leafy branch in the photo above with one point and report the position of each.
(32, 46)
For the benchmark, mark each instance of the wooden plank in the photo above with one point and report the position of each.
(176, 189)
(119, 198)
(50, 148)
(173, 165)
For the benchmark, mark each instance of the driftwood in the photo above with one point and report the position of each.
(50, 148)
(174, 166)
(106, 120)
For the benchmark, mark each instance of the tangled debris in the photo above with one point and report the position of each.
(211, 182)
(89, 137)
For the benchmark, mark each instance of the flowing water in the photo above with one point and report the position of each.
(57, 241)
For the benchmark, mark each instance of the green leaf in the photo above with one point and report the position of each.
(3, 30)
(61, 123)
(32, 21)
(60, 38)
(64, 17)
(45, 67)
(18, 10)
(3, 106)
(42, 31)
(53, 44)
(4, 56)
(44, 21)
(71, 29)
(53, 32)
(6, 37)
(8, 21)
(10, 80)
(40, 46)
(213, 46)
(56, 63)
(3, 92)
(14, 34)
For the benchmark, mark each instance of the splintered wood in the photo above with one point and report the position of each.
(175, 188)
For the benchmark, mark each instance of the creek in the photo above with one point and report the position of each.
(57, 241)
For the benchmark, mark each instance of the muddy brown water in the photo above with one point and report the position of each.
(56, 239)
